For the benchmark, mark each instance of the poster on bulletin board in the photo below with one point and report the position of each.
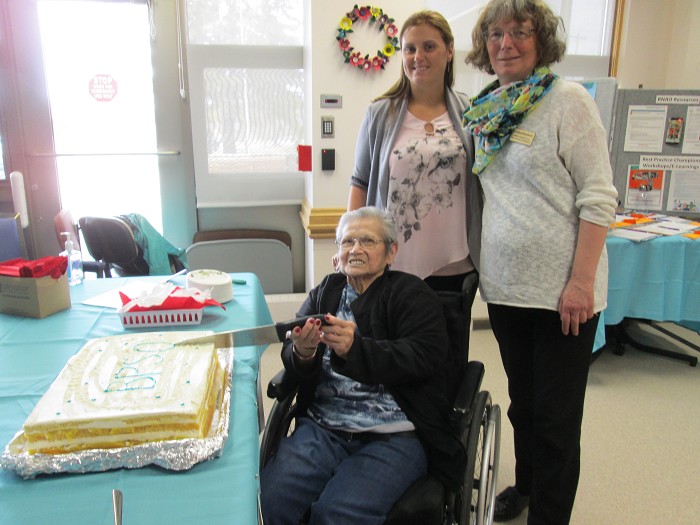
(645, 189)
(684, 193)
(655, 152)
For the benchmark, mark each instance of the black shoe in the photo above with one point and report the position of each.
(509, 504)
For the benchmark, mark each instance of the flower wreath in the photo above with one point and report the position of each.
(386, 24)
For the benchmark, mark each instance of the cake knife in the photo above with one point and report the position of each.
(117, 501)
(260, 335)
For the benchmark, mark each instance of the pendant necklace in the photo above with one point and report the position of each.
(429, 129)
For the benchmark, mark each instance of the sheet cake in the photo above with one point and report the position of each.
(125, 390)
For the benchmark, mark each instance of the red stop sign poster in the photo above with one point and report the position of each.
(103, 88)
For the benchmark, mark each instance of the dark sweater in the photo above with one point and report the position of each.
(402, 343)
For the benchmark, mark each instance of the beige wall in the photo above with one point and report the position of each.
(328, 74)
(660, 45)
(660, 49)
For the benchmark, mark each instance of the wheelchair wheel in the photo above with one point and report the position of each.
(474, 506)
(490, 453)
(280, 423)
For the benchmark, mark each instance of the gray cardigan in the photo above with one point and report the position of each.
(375, 141)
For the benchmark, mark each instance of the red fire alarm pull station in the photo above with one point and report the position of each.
(304, 157)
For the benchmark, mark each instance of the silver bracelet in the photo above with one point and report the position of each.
(303, 357)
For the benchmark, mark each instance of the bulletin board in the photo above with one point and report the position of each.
(604, 92)
(655, 153)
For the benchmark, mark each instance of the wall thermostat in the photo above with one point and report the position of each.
(332, 101)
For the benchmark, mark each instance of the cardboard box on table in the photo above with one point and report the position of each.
(33, 297)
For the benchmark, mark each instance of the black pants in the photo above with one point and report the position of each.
(446, 283)
(547, 373)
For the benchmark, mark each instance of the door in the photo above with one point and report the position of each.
(83, 75)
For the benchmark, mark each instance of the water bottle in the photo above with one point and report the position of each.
(75, 261)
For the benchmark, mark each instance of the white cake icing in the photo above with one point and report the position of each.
(124, 390)
(218, 282)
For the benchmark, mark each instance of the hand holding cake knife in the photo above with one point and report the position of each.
(260, 335)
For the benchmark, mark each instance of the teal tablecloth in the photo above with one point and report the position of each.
(221, 491)
(657, 280)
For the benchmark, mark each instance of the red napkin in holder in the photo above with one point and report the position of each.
(165, 305)
(176, 298)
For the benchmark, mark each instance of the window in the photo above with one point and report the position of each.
(102, 106)
(245, 23)
(246, 83)
(254, 119)
(588, 25)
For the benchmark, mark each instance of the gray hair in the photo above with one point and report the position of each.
(383, 218)
(549, 37)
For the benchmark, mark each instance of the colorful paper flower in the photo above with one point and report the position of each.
(363, 13)
(383, 22)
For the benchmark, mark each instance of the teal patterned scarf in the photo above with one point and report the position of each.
(494, 114)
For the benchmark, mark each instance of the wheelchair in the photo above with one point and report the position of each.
(475, 419)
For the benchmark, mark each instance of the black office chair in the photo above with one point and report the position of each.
(63, 222)
(111, 241)
(475, 419)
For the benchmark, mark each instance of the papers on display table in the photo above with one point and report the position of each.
(642, 227)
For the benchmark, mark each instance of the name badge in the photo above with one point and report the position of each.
(522, 136)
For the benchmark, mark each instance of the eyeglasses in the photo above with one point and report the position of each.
(366, 243)
(496, 35)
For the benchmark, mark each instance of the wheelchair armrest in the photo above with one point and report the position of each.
(281, 386)
(275, 384)
(467, 391)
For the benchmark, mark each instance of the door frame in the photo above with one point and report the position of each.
(27, 123)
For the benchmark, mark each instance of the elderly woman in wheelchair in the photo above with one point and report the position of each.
(375, 387)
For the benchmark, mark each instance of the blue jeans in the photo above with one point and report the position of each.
(337, 482)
